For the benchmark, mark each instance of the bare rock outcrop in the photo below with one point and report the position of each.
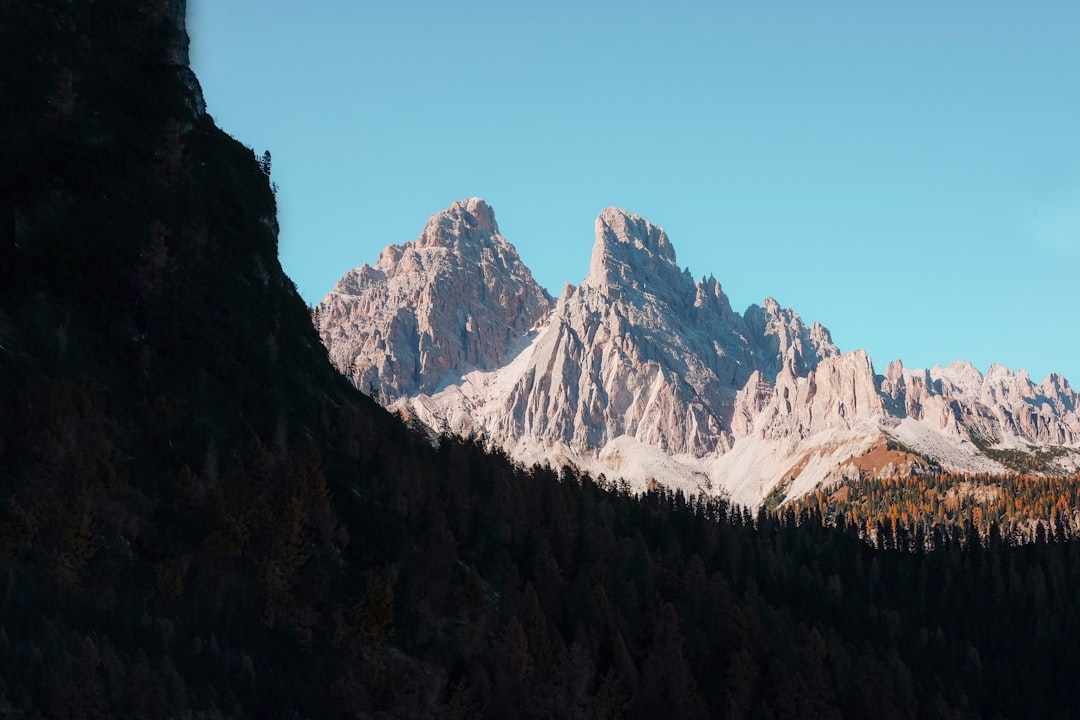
(839, 393)
(456, 298)
(1002, 407)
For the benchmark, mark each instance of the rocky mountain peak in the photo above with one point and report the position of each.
(787, 343)
(709, 292)
(894, 371)
(458, 296)
(615, 225)
(466, 223)
(631, 253)
(1056, 384)
(1058, 390)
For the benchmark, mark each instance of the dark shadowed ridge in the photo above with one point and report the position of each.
(200, 518)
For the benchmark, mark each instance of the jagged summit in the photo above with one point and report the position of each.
(790, 344)
(615, 226)
(465, 223)
(710, 294)
(632, 254)
(457, 297)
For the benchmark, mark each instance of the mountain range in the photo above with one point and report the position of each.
(642, 373)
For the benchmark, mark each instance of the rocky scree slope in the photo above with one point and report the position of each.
(643, 373)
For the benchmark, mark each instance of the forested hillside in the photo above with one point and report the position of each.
(1018, 507)
(200, 518)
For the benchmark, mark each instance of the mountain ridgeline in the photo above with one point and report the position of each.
(199, 517)
(641, 372)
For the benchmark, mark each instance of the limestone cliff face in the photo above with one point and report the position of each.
(839, 393)
(632, 351)
(788, 344)
(1002, 406)
(458, 297)
(642, 372)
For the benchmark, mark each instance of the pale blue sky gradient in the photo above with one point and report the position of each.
(906, 173)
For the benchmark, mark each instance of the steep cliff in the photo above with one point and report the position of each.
(171, 433)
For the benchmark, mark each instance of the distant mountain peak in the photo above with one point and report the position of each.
(458, 296)
(632, 253)
(465, 222)
(627, 228)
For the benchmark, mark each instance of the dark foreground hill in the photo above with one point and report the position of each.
(200, 518)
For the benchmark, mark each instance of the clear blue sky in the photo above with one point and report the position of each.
(906, 173)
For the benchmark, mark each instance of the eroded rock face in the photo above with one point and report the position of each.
(456, 298)
(839, 393)
(642, 372)
(788, 344)
(1001, 407)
